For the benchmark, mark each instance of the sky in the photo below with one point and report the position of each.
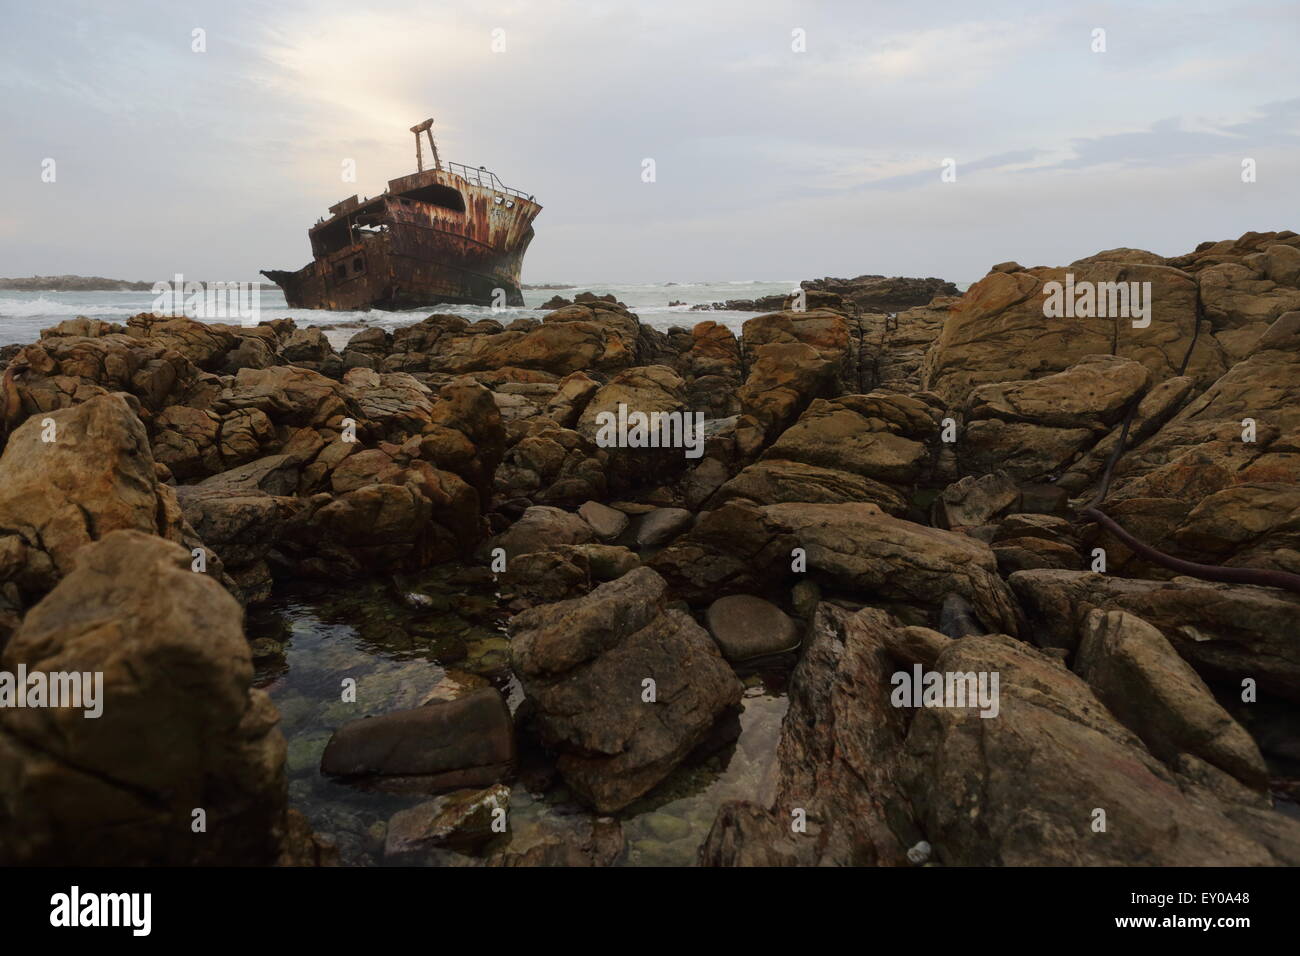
(790, 140)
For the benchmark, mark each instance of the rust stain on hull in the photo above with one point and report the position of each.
(452, 234)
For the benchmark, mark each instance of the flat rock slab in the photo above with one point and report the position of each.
(607, 522)
(746, 627)
(661, 526)
(444, 745)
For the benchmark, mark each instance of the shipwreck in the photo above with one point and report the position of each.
(452, 234)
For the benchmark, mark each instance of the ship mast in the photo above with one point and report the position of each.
(427, 128)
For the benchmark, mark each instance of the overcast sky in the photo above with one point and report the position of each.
(770, 163)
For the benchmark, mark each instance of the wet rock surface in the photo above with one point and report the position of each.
(600, 650)
(480, 630)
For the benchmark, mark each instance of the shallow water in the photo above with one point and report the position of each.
(308, 642)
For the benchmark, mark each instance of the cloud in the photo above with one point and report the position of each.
(771, 161)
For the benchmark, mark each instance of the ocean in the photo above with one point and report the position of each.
(24, 314)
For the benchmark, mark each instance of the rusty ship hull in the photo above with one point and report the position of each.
(453, 234)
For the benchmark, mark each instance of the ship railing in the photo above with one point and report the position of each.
(485, 178)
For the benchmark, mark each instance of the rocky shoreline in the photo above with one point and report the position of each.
(880, 488)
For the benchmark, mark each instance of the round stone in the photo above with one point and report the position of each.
(746, 627)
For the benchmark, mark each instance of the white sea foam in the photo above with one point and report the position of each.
(24, 314)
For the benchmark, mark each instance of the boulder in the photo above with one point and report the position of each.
(583, 663)
(1227, 632)
(735, 549)
(833, 434)
(650, 389)
(747, 627)
(1024, 788)
(660, 526)
(1140, 678)
(1028, 553)
(444, 745)
(73, 476)
(998, 331)
(604, 520)
(825, 330)
(772, 482)
(181, 727)
(861, 549)
(971, 501)
(1023, 450)
(461, 821)
(542, 528)
(1226, 499)
(783, 378)
(1091, 394)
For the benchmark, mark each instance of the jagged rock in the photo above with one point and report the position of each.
(873, 293)
(1226, 632)
(204, 344)
(648, 389)
(552, 465)
(998, 331)
(588, 337)
(893, 347)
(180, 726)
(734, 549)
(542, 528)
(856, 547)
(916, 645)
(60, 372)
(289, 395)
(970, 501)
(1046, 526)
(541, 577)
(94, 475)
(826, 331)
(1023, 450)
(461, 821)
(703, 481)
(1028, 553)
(1090, 394)
(242, 528)
(583, 663)
(1140, 678)
(606, 561)
(772, 482)
(783, 378)
(308, 348)
(837, 755)
(835, 434)
(1226, 500)
(1024, 787)
(572, 840)
(711, 366)
(431, 517)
